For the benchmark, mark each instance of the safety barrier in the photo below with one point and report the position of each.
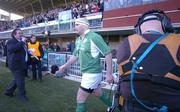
(74, 70)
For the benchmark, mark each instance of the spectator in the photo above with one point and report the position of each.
(78, 10)
(56, 47)
(37, 53)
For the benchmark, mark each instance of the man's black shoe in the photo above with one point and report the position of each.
(27, 76)
(33, 79)
(23, 98)
(9, 94)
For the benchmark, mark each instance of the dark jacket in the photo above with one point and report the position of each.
(153, 82)
(16, 55)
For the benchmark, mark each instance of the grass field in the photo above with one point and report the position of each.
(51, 95)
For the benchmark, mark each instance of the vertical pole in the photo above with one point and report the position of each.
(52, 4)
(25, 12)
(40, 2)
(65, 1)
(33, 9)
(9, 15)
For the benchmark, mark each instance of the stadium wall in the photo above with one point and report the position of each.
(128, 16)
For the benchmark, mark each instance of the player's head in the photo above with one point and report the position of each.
(81, 24)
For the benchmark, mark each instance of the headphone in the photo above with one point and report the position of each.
(157, 15)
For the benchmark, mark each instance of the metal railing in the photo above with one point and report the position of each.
(74, 70)
(57, 26)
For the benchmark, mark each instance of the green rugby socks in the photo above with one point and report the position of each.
(106, 99)
(81, 107)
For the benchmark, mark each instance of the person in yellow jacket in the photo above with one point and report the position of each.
(154, 84)
(37, 53)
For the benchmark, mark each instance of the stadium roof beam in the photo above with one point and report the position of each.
(25, 3)
(5, 5)
(12, 2)
(19, 5)
(14, 5)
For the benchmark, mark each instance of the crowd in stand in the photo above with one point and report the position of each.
(78, 10)
(57, 47)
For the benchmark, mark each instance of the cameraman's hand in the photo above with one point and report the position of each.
(62, 68)
(109, 78)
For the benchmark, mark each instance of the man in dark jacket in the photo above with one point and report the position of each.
(17, 54)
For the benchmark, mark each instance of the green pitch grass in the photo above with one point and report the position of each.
(51, 95)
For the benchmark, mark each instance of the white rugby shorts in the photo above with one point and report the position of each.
(91, 80)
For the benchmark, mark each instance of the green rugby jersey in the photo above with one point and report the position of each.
(89, 50)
